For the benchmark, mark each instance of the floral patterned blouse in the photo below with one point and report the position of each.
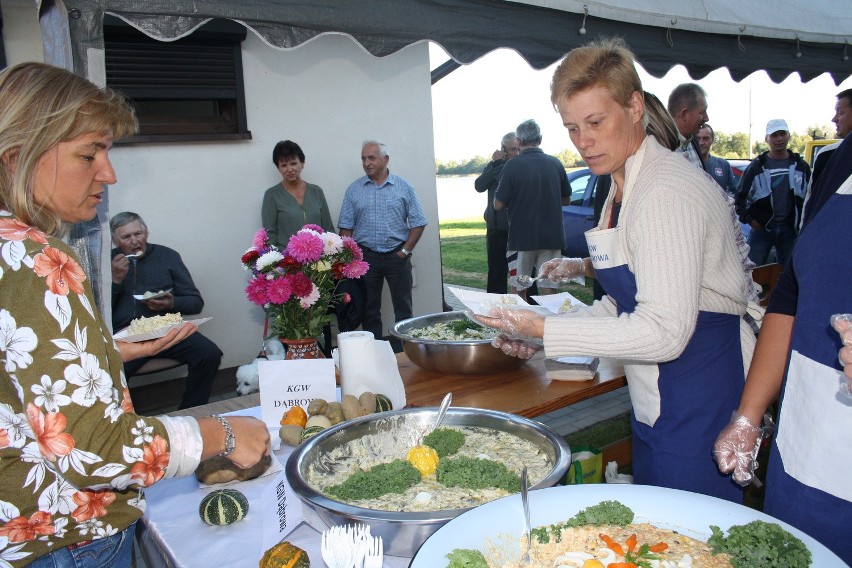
(73, 455)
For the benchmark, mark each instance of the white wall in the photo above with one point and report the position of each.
(203, 199)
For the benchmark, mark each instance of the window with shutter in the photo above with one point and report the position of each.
(188, 89)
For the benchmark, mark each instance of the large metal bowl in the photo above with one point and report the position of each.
(470, 357)
(403, 533)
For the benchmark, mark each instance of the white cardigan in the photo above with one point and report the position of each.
(682, 248)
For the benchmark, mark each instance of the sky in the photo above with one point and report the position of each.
(475, 105)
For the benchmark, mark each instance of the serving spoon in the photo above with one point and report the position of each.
(525, 501)
(525, 281)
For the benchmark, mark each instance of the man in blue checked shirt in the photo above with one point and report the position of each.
(381, 212)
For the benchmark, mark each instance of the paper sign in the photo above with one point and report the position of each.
(282, 511)
(284, 384)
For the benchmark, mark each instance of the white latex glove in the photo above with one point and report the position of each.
(562, 269)
(736, 447)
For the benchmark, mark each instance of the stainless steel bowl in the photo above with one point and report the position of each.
(471, 357)
(403, 533)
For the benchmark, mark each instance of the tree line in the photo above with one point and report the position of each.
(728, 146)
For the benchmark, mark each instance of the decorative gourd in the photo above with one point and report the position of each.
(383, 403)
(295, 415)
(223, 507)
(285, 555)
(311, 431)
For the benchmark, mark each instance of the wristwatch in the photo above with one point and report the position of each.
(405, 251)
(230, 440)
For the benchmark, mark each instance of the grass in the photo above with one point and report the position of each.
(464, 261)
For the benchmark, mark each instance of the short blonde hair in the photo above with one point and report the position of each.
(41, 106)
(606, 63)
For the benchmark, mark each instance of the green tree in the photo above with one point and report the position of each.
(569, 158)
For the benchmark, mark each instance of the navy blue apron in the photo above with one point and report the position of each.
(679, 407)
(808, 482)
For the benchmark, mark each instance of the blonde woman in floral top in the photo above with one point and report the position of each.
(73, 455)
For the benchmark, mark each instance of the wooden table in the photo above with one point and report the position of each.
(525, 391)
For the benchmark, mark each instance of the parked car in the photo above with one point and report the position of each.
(739, 166)
(578, 217)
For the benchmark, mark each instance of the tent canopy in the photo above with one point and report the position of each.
(778, 36)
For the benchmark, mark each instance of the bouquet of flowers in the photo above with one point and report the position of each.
(297, 285)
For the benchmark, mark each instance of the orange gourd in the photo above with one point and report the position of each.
(296, 416)
(285, 555)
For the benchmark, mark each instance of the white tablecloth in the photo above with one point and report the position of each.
(171, 533)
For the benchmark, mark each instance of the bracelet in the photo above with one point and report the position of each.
(230, 439)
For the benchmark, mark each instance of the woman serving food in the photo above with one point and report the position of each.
(666, 254)
(74, 455)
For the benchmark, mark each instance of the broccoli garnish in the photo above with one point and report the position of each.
(466, 558)
(444, 441)
(392, 477)
(759, 543)
(474, 473)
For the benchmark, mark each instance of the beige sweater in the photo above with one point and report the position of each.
(681, 247)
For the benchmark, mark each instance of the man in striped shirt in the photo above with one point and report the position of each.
(381, 212)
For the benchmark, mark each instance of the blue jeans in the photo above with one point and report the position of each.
(760, 242)
(115, 551)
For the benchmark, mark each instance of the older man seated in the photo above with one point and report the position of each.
(138, 267)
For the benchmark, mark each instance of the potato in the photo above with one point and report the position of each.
(317, 406)
(352, 407)
(291, 434)
(318, 420)
(334, 412)
(368, 401)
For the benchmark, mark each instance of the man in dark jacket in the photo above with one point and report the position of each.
(138, 267)
(771, 194)
(497, 222)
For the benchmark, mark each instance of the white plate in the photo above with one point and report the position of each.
(553, 302)
(159, 332)
(688, 513)
(159, 294)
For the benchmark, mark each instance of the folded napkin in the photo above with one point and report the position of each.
(366, 364)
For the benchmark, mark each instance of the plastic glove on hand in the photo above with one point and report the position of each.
(514, 322)
(842, 324)
(562, 269)
(736, 448)
(516, 347)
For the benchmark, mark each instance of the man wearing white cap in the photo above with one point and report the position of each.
(771, 195)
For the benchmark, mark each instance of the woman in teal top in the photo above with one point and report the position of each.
(293, 203)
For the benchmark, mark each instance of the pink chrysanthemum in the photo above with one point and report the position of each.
(352, 245)
(311, 298)
(279, 291)
(256, 290)
(315, 228)
(355, 269)
(260, 239)
(305, 247)
(300, 284)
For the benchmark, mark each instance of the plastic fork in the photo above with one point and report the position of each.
(375, 553)
(336, 548)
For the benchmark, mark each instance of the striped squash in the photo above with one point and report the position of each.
(285, 555)
(383, 403)
(223, 507)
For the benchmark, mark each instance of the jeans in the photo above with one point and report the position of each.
(397, 271)
(115, 551)
(760, 242)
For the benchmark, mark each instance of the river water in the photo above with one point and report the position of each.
(457, 199)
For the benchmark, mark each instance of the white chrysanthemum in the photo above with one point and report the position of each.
(332, 243)
(269, 259)
(311, 298)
